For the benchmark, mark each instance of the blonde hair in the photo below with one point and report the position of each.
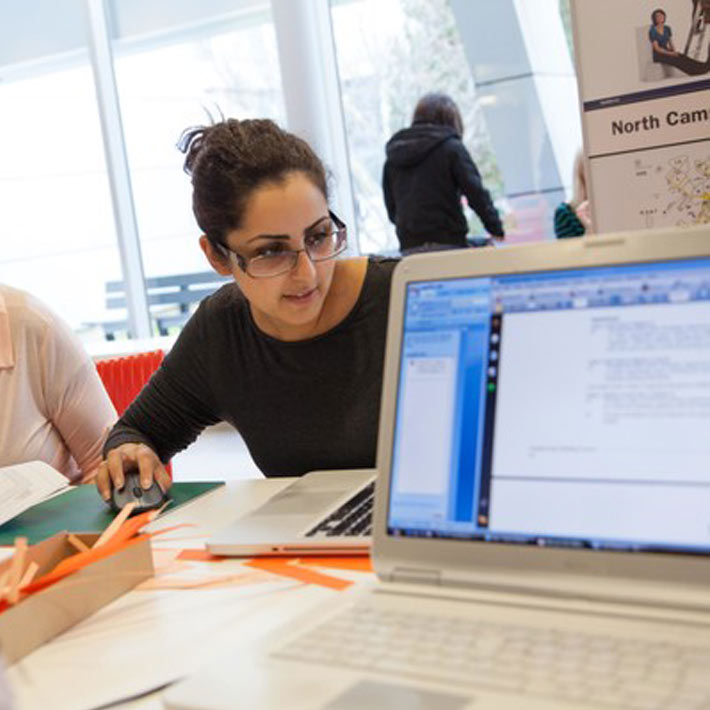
(579, 181)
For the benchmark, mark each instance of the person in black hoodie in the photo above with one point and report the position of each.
(427, 170)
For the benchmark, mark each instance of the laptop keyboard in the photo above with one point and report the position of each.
(354, 517)
(601, 671)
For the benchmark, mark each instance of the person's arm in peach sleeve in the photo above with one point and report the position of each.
(78, 404)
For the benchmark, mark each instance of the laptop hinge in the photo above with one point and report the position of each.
(414, 575)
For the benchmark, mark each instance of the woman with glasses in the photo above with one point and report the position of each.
(291, 353)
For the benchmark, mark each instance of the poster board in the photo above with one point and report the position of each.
(645, 114)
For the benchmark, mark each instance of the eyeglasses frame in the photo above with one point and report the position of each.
(243, 262)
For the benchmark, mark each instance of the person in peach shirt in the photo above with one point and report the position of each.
(53, 406)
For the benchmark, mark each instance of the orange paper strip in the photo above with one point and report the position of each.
(29, 574)
(74, 541)
(302, 574)
(200, 555)
(205, 582)
(16, 568)
(116, 523)
(358, 564)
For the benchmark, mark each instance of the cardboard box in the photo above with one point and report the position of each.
(45, 614)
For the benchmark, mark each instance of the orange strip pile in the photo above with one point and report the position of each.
(121, 533)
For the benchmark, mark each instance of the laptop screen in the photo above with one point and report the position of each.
(566, 408)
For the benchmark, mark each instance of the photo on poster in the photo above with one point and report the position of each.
(663, 187)
(647, 47)
(668, 60)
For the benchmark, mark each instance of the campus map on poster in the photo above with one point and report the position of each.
(662, 187)
(644, 77)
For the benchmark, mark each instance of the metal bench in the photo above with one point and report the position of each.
(170, 300)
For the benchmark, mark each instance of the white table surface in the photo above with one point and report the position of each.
(148, 638)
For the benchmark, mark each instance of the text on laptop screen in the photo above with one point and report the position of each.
(557, 408)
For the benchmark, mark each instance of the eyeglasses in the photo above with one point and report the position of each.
(325, 241)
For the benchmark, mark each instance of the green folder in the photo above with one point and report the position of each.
(81, 509)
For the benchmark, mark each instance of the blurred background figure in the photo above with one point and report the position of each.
(53, 406)
(573, 218)
(426, 172)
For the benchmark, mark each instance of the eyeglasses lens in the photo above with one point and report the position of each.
(326, 243)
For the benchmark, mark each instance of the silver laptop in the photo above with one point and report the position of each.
(323, 511)
(542, 513)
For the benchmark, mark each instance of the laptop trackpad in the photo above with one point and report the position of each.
(299, 502)
(374, 695)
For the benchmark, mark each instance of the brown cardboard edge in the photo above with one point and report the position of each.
(44, 615)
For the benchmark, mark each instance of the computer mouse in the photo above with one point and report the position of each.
(146, 499)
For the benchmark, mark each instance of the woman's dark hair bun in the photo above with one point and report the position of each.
(230, 159)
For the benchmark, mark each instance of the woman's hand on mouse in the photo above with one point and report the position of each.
(126, 457)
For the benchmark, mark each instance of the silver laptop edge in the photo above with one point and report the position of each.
(650, 578)
(280, 526)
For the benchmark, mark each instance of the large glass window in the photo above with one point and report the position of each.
(173, 73)
(166, 86)
(58, 236)
(390, 53)
(176, 65)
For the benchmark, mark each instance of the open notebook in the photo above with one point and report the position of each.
(26, 484)
(542, 524)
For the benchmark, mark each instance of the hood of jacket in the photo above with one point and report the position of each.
(411, 145)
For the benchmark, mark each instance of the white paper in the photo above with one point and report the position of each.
(146, 640)
(26, 484)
